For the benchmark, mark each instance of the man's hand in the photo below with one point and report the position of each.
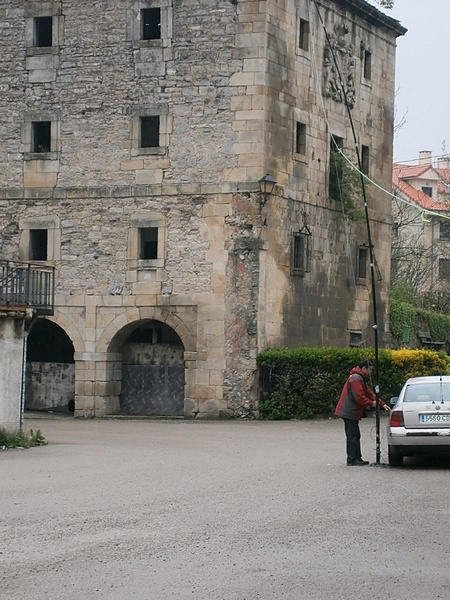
(384, 406)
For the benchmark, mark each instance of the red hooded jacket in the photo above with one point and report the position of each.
(355, 397)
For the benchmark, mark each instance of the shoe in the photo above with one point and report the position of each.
(357, 463)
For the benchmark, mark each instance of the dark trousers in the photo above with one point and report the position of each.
(353, 436)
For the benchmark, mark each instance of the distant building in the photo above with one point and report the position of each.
(134, 135)
(421, 223)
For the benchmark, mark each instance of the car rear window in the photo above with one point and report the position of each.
(428, 392)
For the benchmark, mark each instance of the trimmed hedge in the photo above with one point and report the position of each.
(299, 383)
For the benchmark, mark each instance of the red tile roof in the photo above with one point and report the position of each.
(400, 175)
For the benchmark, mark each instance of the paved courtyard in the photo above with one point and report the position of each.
(165, 510)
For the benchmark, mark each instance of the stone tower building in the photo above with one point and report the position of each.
(134, 135)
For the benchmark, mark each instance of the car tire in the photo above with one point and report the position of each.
(395, 457)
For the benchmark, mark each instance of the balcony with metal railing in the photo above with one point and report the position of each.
(27, 285)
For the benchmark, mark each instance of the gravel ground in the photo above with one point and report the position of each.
(164, 510)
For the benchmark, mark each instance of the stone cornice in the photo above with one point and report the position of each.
(370, 14)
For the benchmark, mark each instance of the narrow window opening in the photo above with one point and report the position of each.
(444, 230)
(150, 132)
(367, 64)
(427, 190)
(151, 23)
(444, 268)
(303, 38)
(365, 159)
(43, 31)
(363, 254)
(300, 138)
(395, 229)
(38, 244)
(41, 136)
(301, 251)
(148, 243)
(335, 172)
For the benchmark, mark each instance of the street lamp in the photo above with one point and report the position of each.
(266, 185)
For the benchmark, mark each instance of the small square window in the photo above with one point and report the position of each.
(428, 191)
(149, 132)
(38, 244)
(356, 338)
(43, 31)
(363, 254)
(148, 240)
(41, 136)
(151, 23)
(365, 159)
(367, 64)
(300, 138)
(303, 35)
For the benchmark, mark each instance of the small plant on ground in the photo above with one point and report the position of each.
(20, 439)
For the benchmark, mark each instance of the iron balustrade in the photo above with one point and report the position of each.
(27, 285)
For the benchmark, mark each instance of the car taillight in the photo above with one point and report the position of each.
(397, 419)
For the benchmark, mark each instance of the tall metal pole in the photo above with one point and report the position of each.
(369, 239)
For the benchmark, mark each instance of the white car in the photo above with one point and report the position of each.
(419, 422)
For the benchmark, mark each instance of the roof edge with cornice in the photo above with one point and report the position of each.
(372, 15)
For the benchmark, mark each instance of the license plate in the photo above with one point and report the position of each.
(435, 418)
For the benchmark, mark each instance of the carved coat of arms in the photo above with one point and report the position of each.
(339, 65)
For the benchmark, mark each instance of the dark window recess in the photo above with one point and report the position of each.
(334, 191)
(151, 23)
(356, 338)
(444, 230)
(41, 136)
(365, 159)
(367, 64)
(300, 138)
(43, 32)
(150, 132)
(303, 37)
(363, 254)
(301, 251)
(148, 243)
(428, 191)
(38, 244)
(444, 268)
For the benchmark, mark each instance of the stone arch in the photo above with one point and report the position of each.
(70, 329)
(119, 329)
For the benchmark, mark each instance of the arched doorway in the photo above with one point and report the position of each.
(152, 371)
(50, 369)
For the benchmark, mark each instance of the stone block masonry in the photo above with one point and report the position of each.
(130, 160)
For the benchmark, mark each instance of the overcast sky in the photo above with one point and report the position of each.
(422, 78)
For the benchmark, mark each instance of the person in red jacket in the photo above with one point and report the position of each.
(356, 396)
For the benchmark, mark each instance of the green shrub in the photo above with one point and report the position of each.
(299, 383)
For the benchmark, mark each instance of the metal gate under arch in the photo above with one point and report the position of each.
(153, 372)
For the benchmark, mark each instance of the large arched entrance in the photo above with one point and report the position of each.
(50, 369)
(153, 377)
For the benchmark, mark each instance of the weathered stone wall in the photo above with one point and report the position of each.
(228, 82)
(11, 351)
(50, 386)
